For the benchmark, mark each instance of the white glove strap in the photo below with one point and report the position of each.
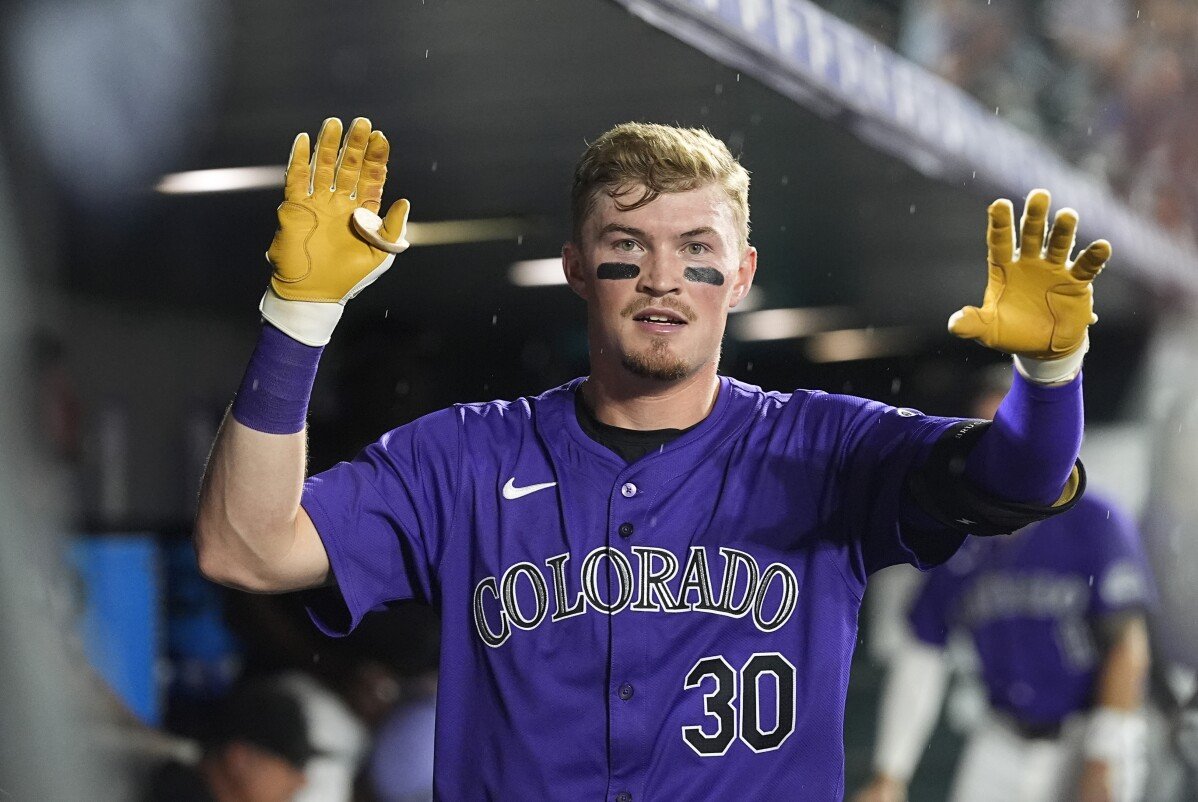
(310, 322)
(1052, 371)
(1114, 735)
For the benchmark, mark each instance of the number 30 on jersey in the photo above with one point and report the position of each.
(739, 714)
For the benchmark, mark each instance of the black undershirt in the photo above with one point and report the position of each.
(629, 444)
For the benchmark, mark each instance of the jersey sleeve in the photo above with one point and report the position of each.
(880, 446)
(383, 518)
(1122, 579)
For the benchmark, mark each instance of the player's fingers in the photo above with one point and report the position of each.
(1035, 216)
(296, 181)
(349, 161)
(374, 172)
(386, 235)
(1060, 241)
(324, 159)
(1000, 232)
(395, 225)
(967, 323)
(1092, 260)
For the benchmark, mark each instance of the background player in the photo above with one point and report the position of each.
(258, 749)
(648, 578)
(1057, 614)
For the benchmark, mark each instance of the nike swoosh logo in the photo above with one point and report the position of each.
(511, 492)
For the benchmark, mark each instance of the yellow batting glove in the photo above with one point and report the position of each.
(1038, 304)
(331, 242)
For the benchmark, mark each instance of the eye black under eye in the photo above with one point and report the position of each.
(704, 275)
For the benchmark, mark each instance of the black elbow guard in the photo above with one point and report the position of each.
(941, 490)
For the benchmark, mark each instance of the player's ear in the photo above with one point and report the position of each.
(572, 267)
(743, 278)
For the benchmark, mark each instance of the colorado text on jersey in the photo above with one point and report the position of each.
(642, 584)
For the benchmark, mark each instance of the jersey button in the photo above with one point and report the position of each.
(626, 692)
(626, 530)
(628, 491)
(623, 796)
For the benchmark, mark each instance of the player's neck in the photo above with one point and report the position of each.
(633, 402)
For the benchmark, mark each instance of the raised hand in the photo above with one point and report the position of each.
(331, 243)
(1038, 304)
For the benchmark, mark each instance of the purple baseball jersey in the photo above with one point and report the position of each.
(1031, 600)
(680, 627)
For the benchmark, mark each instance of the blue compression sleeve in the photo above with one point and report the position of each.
(274, 392)
(1029, 451)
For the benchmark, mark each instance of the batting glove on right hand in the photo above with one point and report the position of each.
(331, 243)
(1038, 304)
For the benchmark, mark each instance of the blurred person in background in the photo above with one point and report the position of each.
(352, 690)
(1057, 613)
(346, 687)
(990, 51)
(257, 750)
(1111, 83)
(278, 647)
(335, 730)
(400, 766)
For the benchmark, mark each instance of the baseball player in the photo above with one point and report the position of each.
(1057, 614)
(649, 577)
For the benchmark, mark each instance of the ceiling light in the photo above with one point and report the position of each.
(784, 324)
(224, 179)
(435, 232)
(537, 272)
(483, 229)
(847, 345)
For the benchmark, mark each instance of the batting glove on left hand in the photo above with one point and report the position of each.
(1038, 304)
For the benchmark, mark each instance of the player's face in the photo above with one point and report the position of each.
(260, 776)
(659, 281)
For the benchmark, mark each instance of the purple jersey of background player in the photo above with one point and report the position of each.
(1030, 601)
(680, 627)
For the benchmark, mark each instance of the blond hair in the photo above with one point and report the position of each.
(655, 159)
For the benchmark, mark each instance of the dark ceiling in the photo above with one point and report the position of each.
(487, 105)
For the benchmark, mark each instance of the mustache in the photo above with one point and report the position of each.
(639, 305)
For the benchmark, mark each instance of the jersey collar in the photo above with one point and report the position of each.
(554, 417)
